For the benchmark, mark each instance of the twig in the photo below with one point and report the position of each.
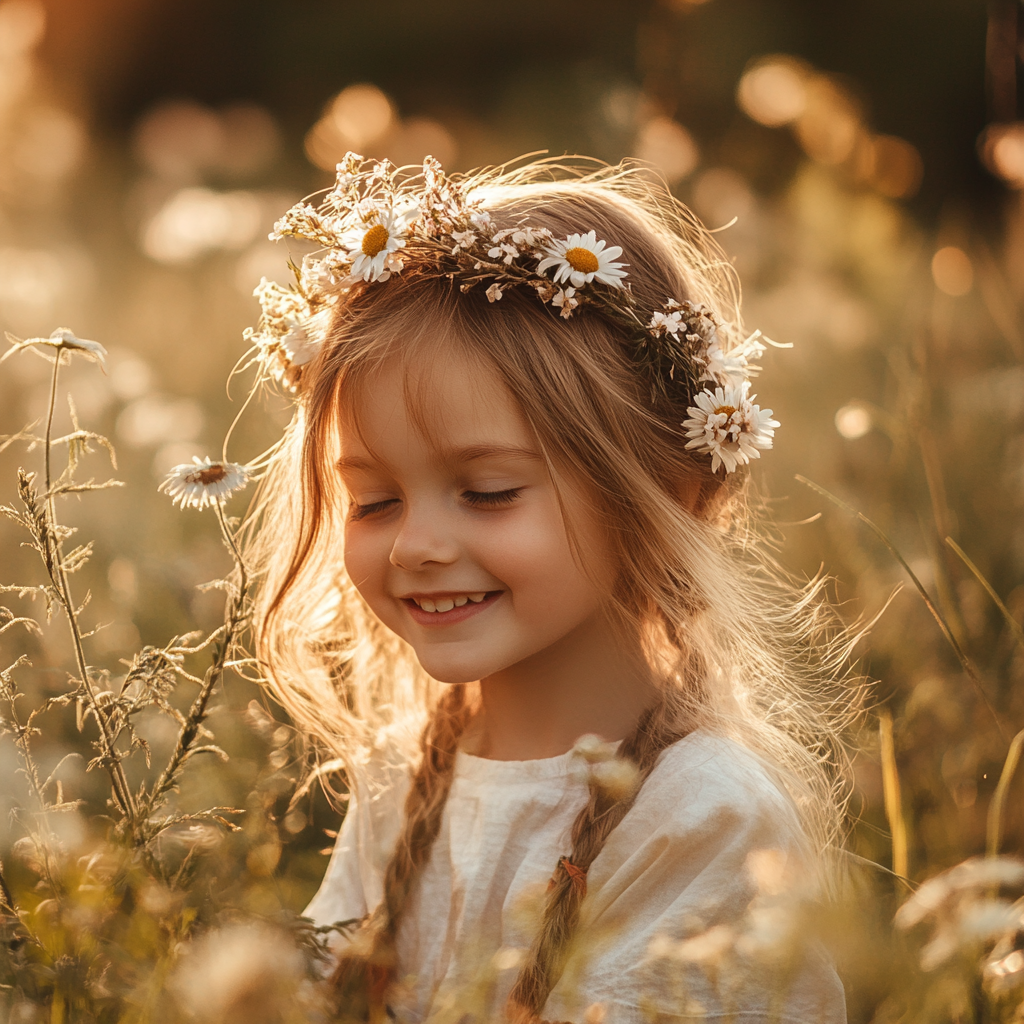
(965, 662)
(234, 619)
(58, 574)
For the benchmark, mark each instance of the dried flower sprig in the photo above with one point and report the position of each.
(373, 224)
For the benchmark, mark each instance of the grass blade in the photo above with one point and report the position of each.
(891, 794)
(1014, 625)
(965, 662)
(995, 808)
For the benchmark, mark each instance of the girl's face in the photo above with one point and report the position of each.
(456, 541)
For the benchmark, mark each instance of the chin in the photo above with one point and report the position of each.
(454, 670)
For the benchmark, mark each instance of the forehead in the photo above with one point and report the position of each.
(435, 397)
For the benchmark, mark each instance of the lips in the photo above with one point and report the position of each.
(450, 608)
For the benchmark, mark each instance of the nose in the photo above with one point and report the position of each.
(423, 539)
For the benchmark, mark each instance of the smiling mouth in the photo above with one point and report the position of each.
(449, 607)
(448, 602)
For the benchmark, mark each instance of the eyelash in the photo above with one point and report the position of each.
(476, 499)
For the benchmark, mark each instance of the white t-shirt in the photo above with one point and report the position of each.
(673, 927)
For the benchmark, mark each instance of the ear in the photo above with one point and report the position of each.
(690, 491)
(699, 491)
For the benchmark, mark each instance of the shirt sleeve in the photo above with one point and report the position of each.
(694, 910)
(341, 896)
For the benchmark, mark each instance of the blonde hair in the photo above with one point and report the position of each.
(742, 649)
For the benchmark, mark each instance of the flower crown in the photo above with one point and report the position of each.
(372, 224)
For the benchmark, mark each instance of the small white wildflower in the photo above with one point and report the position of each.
(582, 258)
(63, 339)
(617, 778)
(737, 364)
(665, 323)
(480, 219)
(229, 972)
(1005, 973)
(508, 957)
(204, 483)
(728, 425)
(593, 749)
(494, 292)
(565, 299)
(974, 873)
(463, 240)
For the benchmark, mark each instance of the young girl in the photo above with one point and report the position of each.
(508, 516)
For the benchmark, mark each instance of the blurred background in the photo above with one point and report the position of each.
(865, 162)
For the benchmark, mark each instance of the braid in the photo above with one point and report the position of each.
(366, 968)
(657, 728)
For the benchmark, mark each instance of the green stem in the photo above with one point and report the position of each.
(59, 576)
(929, 604)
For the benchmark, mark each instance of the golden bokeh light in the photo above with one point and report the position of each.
(830, 125)
(773, 91)
(853, 421)
(358, 118)
(362, 118)
(894, 167)
(952, 271)
(1002, 151)
(668, 146)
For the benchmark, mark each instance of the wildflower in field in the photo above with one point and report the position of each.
(239, 973)
(204, 483)
(963, 910)
(65, 340)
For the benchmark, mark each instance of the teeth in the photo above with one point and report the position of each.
(446, 604)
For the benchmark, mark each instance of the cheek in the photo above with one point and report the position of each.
(366, 560)
(536, 561)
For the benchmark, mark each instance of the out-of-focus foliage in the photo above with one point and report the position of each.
(903, 396)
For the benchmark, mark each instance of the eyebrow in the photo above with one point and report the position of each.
(470, 453)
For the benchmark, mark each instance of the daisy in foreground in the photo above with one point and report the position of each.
(204, 483)
(727, 424)
(581, 259)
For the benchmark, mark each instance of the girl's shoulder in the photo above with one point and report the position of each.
(708, 781)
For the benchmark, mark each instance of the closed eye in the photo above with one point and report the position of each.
(492, 498)
(357, 512)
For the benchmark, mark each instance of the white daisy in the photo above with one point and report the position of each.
(204, 483)
(580, 259)
(726, 424)
(373, 247)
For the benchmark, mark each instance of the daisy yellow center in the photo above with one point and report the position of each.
(208, 475)
(725, 410)
(375, 240)
(582, 260)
